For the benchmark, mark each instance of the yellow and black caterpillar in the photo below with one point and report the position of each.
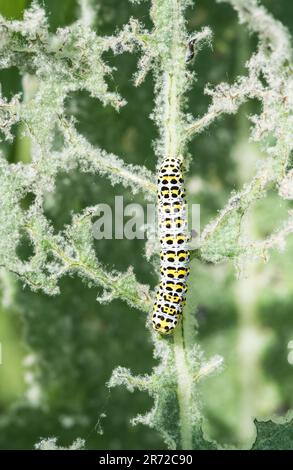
(172, 219)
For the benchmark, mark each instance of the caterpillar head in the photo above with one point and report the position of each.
(164, 324)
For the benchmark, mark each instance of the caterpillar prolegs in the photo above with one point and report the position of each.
(172, 219)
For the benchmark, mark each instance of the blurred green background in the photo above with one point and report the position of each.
(58, 353)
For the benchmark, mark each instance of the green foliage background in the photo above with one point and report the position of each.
(71, 343)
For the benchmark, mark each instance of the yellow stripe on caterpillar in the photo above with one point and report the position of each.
(171, 286)
(174, 257)
(164, 297)
(170, 272)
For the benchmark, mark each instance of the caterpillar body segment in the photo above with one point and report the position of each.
(174, 255)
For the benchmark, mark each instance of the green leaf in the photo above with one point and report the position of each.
(274, 435)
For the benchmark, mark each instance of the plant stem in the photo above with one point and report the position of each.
(171, 144)
(101, 162)
(172, 128)
(184, 386)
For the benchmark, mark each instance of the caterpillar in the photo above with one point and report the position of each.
(174, 255)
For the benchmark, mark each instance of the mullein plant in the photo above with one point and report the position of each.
(52, 66)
